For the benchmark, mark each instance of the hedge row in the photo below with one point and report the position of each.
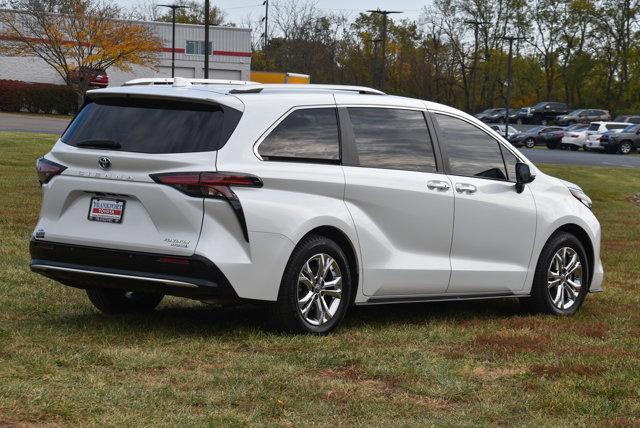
(36, 97)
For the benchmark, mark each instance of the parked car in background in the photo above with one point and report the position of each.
(97, 77)
(583, 116)
(552, 138)
(574, 136)
(623, 142)
(490, 114)
(628, 119)
(542, 113)
(595, 131)
(532, 137)
(511, 131)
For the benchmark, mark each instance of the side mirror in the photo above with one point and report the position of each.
(523, 176)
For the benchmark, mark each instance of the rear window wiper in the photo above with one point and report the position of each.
(99, 144)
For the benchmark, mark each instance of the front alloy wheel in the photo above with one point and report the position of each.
(530, 143)
(625, 148)
(561, 280)
(564, 279)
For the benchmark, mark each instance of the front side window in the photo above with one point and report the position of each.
(196, 47)
(471, 152)
(392, 139)
(615, 126)
(305, 135)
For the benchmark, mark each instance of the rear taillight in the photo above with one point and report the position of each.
(212, 185)
(47, 170)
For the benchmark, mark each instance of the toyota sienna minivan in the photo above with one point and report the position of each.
(313, 198)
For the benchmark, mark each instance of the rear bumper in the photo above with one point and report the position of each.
(88, 267)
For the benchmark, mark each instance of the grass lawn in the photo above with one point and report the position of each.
(480, 363)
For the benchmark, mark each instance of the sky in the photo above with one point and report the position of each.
(237, 10)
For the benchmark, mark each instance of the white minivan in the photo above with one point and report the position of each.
(312, 198)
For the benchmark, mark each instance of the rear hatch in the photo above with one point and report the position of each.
(106, 196)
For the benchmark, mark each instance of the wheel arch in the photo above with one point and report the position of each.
(584, 239)
(341, 238)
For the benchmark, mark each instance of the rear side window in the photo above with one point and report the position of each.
(151, 126)
(305, 135)
(616, 126)
(471, 152)
(392, 139)
(594, 127)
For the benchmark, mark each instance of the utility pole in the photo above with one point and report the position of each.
(173, 8)
(374, 66)
(265, 3)
(510, 39)
(383, 61)
(476, 26)
(207, 51)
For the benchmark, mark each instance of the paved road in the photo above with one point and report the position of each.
(568, 157)
(55, 125)
(27, 123)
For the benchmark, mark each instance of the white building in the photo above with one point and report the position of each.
(230, 57)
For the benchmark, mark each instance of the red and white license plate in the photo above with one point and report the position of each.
(106, 210)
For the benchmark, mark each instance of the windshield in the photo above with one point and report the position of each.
(539, 105)
(151, 126)
(576, 112)
(631, 128)
(594, 127)
(534, 130)
(576, 127)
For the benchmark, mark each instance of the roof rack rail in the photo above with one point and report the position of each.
(152, 81)
(257, 88)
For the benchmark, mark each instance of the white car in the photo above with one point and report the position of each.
(575, 136)
(310, 197)
(595, 131)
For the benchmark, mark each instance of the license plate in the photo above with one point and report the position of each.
(106, 210)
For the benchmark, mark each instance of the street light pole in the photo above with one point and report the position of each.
(206, 39)
(173, 8)
(383, 61)
(510, 39)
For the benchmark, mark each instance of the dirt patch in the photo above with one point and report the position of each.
(555, 370)
(634, 199)
(593, 330)
(510, 344)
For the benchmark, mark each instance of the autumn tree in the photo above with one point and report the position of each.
(74, 36)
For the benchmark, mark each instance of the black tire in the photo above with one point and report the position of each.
(288, 316)
(625, 147)
(529, 143)
(574, 148)
(123, 302)
(611, 150)
(540, 300)
(552, 146)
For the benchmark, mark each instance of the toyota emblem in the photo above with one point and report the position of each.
(104, 162)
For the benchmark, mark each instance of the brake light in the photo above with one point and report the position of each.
(212, 185)
(47, 170)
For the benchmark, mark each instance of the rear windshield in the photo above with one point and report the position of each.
(594, 127)
(151, 126)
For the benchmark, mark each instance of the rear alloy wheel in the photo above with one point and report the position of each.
(560, 284)
(123, 302)
(315, 290)
(529, 143)
(625, 147)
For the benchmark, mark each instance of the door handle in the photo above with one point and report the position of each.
(466, 188)
(437, 185)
